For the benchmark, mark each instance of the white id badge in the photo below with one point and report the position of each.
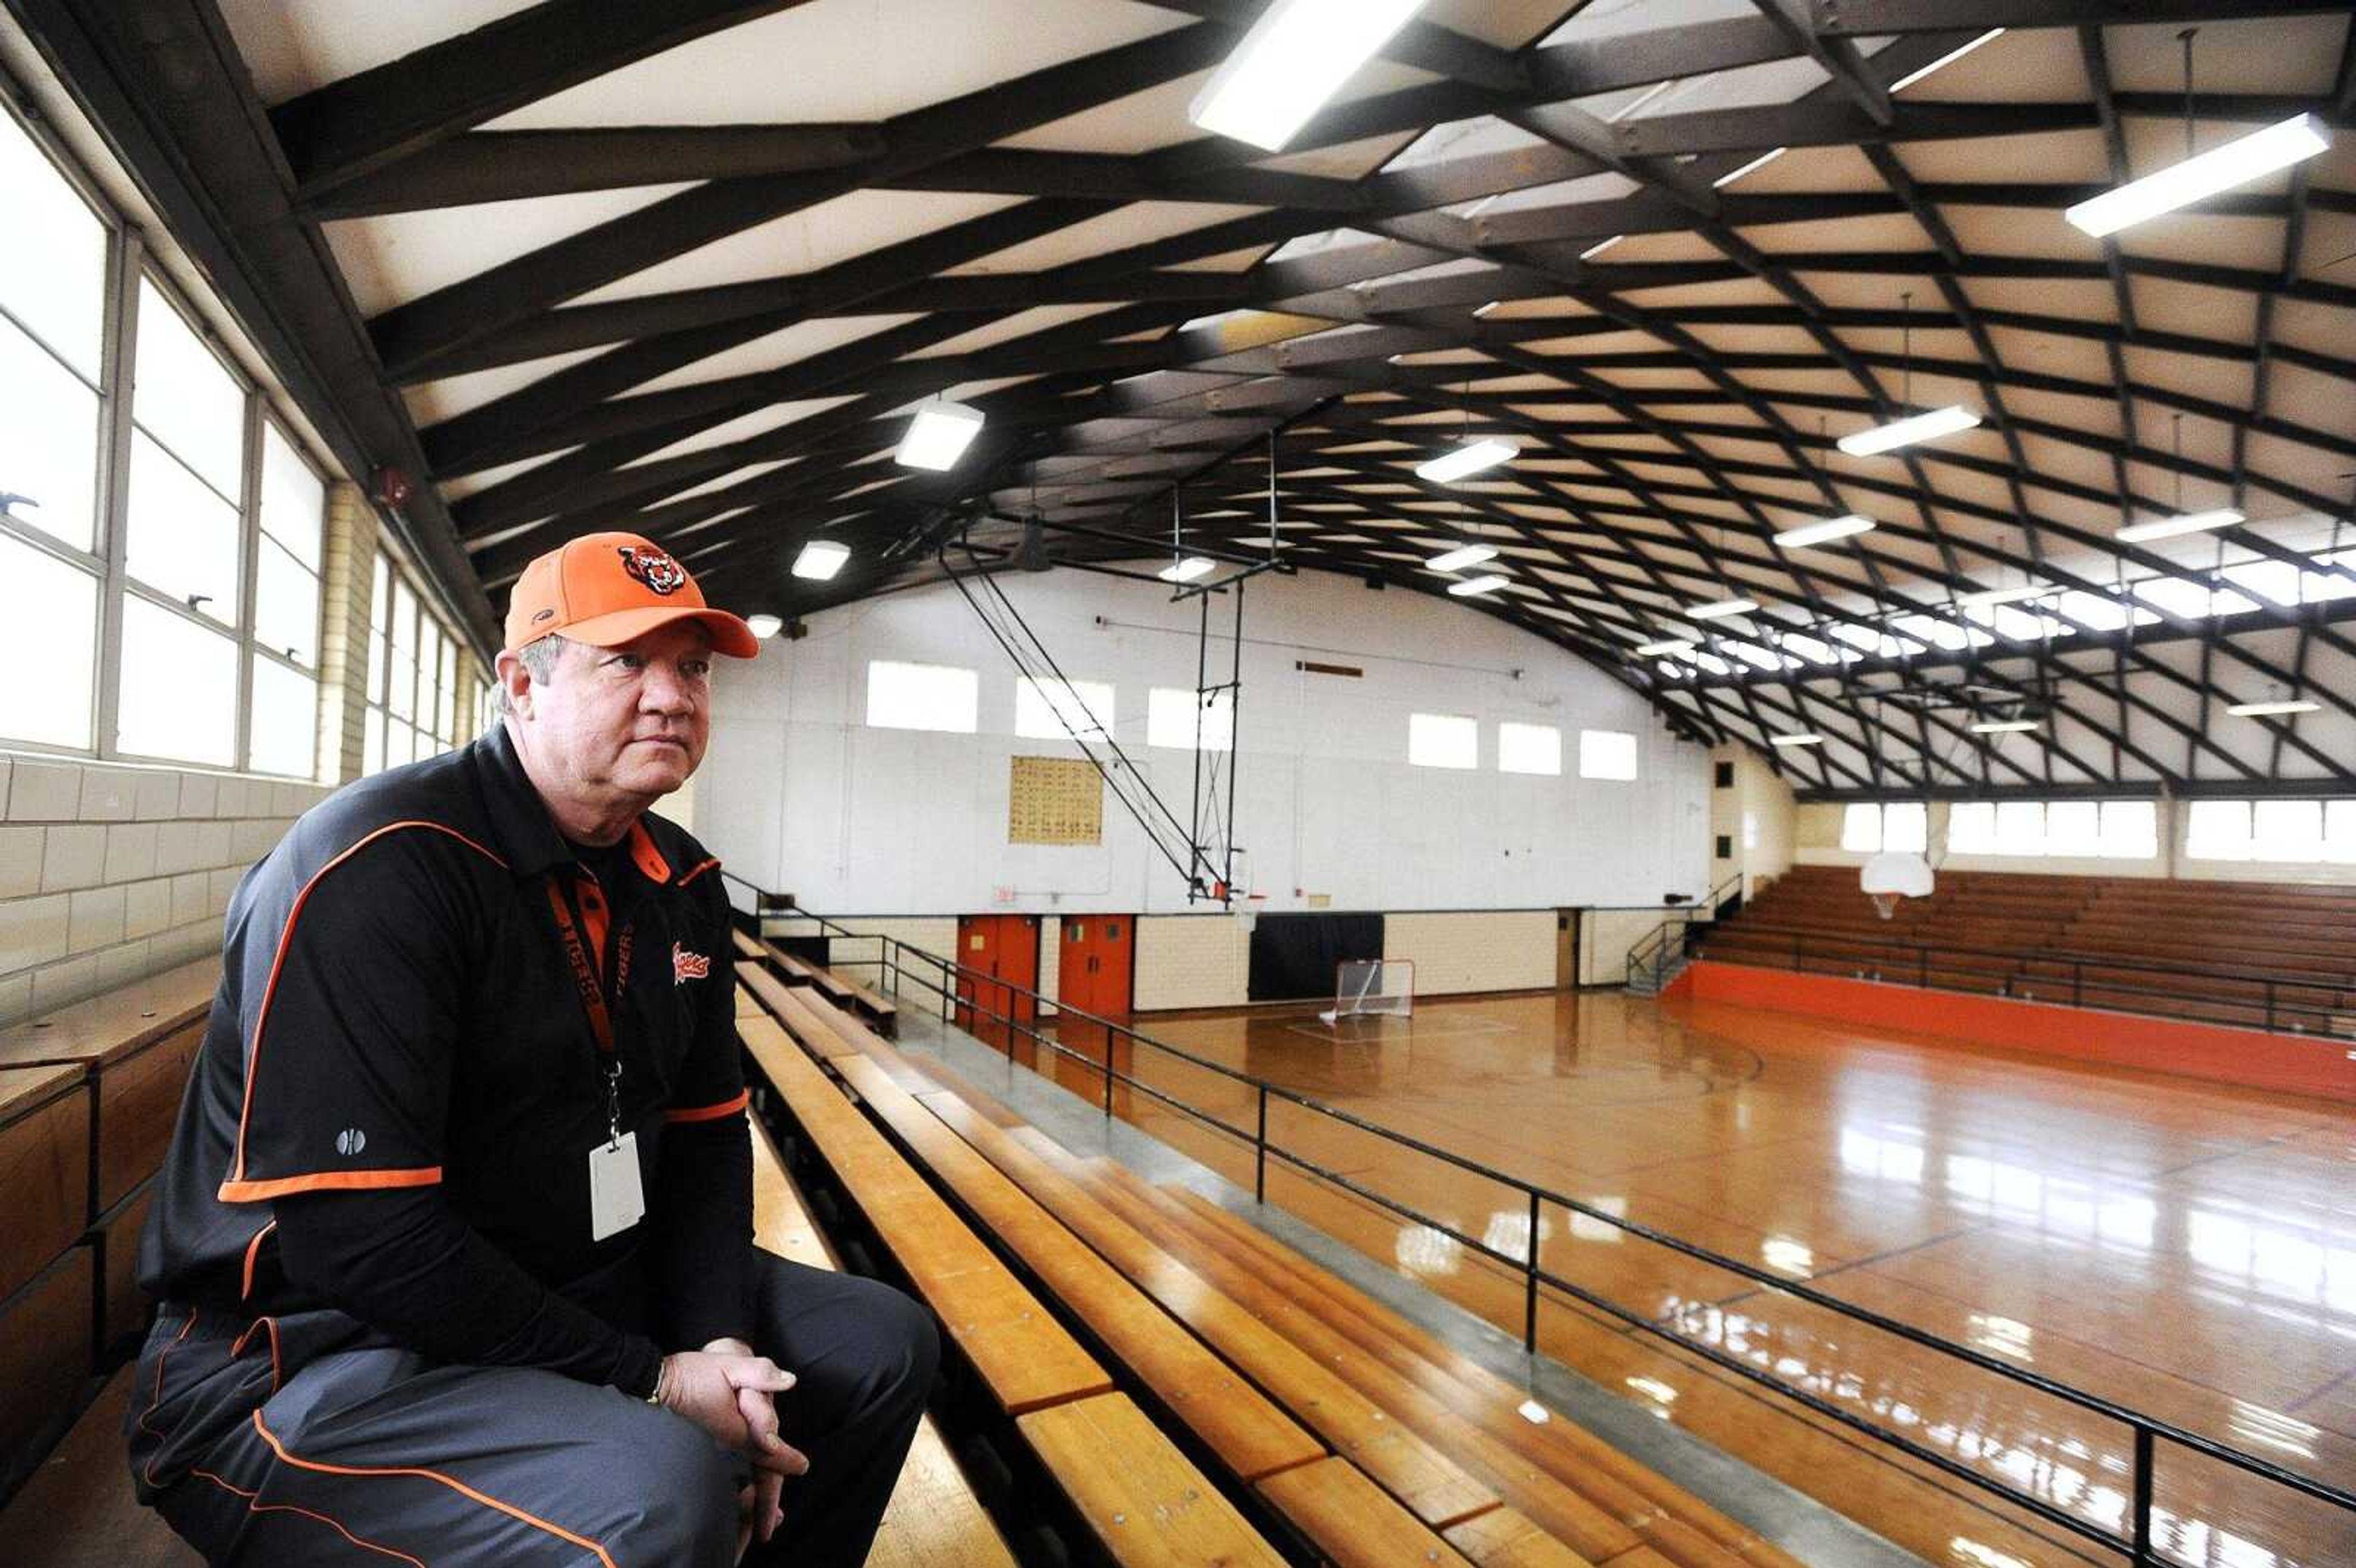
(616, 1201)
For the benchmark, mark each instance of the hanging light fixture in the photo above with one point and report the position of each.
(938, 436)
(1913, 429)
(1461, 556)
(2198, 177)
(1295, 58)
(2183, 522)
(1824, 532)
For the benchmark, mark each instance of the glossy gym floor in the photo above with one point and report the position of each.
(2181, 1248)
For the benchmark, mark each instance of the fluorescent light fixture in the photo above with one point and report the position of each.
(1985, 598)
(1831, 529)
(1801, 738)
(1723, 607)
(2238, 162)
(1469, 459)
(1486, 309)
(2189, 523)
(1488, 583)
(1186, 570)
(1296, 57)
(1761, 162)
(1464, 556)
(1950, 58)
(2003, 726)
(2273, 709)
(1907, 432)
(765, 626)
(1599, 247)
(938, 436)
(1667, 647)
(821, 559)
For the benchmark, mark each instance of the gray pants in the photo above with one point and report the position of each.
(378, 1456)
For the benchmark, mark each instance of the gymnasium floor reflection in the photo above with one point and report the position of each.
(2183, 1249)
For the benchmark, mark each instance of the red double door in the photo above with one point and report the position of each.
(998, 956)
(1094, 962)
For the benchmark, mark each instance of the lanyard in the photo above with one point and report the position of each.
(586, 969)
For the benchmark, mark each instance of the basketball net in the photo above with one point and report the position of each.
(1885, 904)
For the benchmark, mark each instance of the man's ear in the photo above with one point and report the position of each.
(515, 680)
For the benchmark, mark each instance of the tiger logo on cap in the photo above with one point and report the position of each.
(653, 568)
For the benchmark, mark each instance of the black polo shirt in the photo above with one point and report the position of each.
(398, 1009)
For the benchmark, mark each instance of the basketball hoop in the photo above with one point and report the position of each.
(1894, 875)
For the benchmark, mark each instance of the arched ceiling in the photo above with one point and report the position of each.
(686, 266)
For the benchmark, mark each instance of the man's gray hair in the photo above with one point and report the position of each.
(540, 658)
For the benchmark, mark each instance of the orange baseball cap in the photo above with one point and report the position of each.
(606, 588)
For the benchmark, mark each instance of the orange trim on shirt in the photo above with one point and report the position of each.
(650, 858)
(327, 1181)
(457, 1486)
(712, 1112)
(278, 962)
(707, 866)
(245, 1285)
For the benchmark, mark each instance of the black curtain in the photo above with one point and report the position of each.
(1293, 956)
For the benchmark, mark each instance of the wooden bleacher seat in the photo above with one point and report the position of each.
(840, 990)
(1615, 1511)
(1144, 1499)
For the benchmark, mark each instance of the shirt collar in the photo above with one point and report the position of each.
(527, 834)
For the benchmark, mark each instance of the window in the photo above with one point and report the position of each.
(2073, 828)
(923, 697)
(2339, 832)
(2130, 830)
(81, 380)
(1529, 749)
(1176, 717)
(1870, 826)
(2020, 827)
(1971, 828)
(1057, 710)
(1607, 754)
(1443, 740)
(2287, 830)
(2218, 830)
(413, 708)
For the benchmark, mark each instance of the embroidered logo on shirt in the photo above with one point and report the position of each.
(686, 966)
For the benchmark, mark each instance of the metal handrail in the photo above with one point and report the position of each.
(962, 987)
(2303, 1018)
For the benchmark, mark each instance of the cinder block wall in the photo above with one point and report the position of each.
(111, 872)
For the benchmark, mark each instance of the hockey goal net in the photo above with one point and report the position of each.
(1372, 987)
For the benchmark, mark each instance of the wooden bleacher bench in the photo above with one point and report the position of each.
(1563, 1496)
(1142, 1498)
(840, 989)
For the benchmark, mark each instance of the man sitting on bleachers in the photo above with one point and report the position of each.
(453, 1243)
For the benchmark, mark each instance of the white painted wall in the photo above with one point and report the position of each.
(799, 794)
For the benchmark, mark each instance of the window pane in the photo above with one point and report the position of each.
(2130, 829)
(183, 537)
(179, 687)
(285, 720)
(372, 742)
(380, 618)
(294, 502)
(1443, 740)
(447, 715)
(49, 438)
(52, 611)
(923, 697)
(184, 397)
(1861, 828)
(58, 286)
(2073, 828)
(1054, 711)
(1906, 827)
(1172, 720)
(286, 606)
(2020, 827)
(1971, 828)
(1529, 749)
(2218, 830)
(2287, 830)
(2339, 832)
(1607, 754)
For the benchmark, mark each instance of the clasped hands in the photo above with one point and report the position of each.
(730, 1392)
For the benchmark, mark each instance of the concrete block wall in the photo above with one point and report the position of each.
(1192, 960)
(1477, 950)
(110, 873)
